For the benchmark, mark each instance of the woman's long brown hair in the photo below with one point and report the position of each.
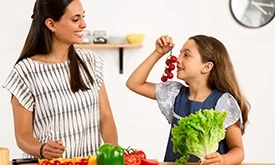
(39, 40)
(222, 76)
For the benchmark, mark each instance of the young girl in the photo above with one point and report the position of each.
(205, 66)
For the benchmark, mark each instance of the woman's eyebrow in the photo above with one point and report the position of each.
(78, 15)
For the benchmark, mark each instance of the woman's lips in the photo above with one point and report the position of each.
(79, 34)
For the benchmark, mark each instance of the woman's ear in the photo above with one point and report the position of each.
(50, 24)
(207, 67)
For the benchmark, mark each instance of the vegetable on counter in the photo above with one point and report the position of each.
(137, 157)
(106, 155)
(109, 155)
(198, 134)
(88, 160)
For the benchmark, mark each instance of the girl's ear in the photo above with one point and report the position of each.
(50, 24)
(207, 67)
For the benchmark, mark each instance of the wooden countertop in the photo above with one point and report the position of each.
(172, 163)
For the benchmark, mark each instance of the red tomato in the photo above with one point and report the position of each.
(69, 163)
(164, 78)
(170, 75)
(84, 161)
(167, 70)
(56, 162)
(46, 163)
(140, 154)
(168, 62)
(149, 162)
(173, 59)
(132, 159)
(171, 67)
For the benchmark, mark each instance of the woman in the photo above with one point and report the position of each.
(59, 100)
(205, 66)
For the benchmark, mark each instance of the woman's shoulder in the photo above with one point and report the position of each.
(87, 54)
(23, 65)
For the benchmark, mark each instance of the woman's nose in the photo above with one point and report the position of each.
(83, 24)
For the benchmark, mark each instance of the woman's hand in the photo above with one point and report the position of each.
(213, 159)
(52, 149)
(163, 45)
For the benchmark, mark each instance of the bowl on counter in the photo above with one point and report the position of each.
(135, 38)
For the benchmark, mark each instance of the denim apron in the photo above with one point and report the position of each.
(183, 107)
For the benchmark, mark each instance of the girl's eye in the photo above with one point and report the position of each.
(75, 20)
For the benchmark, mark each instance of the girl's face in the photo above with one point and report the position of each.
(69, 29)
(189, 62)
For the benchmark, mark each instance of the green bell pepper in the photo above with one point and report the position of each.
(109, 155)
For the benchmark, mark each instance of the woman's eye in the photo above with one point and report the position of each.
(75, 20)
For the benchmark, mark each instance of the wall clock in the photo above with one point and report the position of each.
(252, 13)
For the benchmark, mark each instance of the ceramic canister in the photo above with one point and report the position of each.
(4, 156)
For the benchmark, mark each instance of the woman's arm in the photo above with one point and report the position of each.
(108, 127)
(23, 127)
(23, 121)
(137, 81)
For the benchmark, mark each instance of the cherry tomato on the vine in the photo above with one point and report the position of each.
(56, 162)
(164, 78)
(168, 62)
(167, 70)
(171, 67)
(46, 162)
(84, 161)
(173, 59)
(69, 163)
(170, 75)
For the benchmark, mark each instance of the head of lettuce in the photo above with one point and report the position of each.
(198, 134)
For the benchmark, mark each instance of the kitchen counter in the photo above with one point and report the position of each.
(172, 163)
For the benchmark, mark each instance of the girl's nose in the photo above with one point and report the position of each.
(179, 58)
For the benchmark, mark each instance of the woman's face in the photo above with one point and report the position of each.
(189, 62)
(69, 29)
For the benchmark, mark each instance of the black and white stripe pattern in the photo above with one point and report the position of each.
(60, 114)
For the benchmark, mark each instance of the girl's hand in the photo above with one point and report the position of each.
(53, 149)
(213, 159)
(164, 44)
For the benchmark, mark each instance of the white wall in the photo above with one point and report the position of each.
(139, 122)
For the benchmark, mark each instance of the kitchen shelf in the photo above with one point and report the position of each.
(106, 46)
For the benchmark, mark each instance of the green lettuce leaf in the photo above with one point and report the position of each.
(198, 134)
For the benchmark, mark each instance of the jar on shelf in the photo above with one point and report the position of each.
(99, 37)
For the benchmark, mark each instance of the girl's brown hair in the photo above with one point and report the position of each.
(39, 39)
(222, 76)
